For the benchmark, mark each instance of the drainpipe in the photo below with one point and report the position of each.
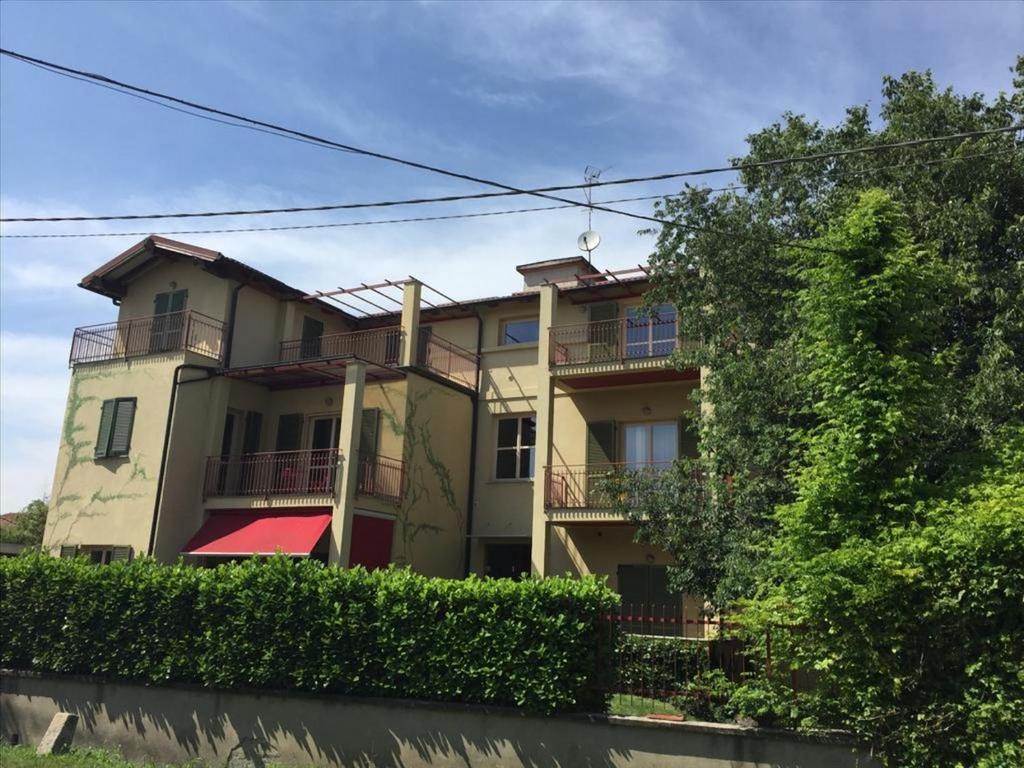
(210, 372)
(232, 309)
(475, 400)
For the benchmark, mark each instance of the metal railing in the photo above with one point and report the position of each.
(382, 346)
(382, 478)
(614, 341)
(158, 334)
(582, 486)
(273, 473)
(448, 360)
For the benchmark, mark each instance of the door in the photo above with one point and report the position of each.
(168, 326)
(323, 453)
(507, 561)
(226, 480)
(371, 541)
(312, 335)
(650, 335)
(650, 446)
(648, 606)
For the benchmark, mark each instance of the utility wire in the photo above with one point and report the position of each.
(508, 190)
(449, 217)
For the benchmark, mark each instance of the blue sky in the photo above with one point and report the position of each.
(526, 93)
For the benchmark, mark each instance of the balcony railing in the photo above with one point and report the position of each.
(448, 360)
(382, 346)
(382, 478)
(273, 473)
(582, 486)
(614, 341)
(171, 332)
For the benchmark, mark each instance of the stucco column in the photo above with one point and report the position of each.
(348, 471)
(542, 448)
(410, 321)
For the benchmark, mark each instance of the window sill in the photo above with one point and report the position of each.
(510, 480)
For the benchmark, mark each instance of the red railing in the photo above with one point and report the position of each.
(582, 486)
(448, 360)
(171, 332)
(382, 346)
(273, 473)
(614, 341)
(382, 478)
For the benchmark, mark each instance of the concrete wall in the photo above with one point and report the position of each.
(176, 724)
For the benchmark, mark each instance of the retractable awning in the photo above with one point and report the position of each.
(234, 534)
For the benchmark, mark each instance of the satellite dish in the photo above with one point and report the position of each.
(588, 241)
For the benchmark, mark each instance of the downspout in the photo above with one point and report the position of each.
(232, 309)
(210, 372)
(475, 400)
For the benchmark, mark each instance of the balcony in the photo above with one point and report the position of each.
(382, 478)
(301, 473)
(172, 332)
(614, 341)
(273, 473)
(448, 360)
(578, 492)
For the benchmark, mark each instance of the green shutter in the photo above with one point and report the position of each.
(106, 424)
(601, 447)
(605, 310)
(120, 554)
(178, 301)
(368, 432)
(121, 434)
(688, 437)
(69, 550)
(161, 304)
(251, 435)
(289, 432)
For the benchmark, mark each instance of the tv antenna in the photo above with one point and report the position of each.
(589, 240)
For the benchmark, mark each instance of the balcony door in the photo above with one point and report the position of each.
(323, 443)
(312, 335)
(650, 445)
(168, 324)
(650, 335)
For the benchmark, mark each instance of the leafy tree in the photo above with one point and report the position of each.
(28, 525)
(898, 588)
(739, 295)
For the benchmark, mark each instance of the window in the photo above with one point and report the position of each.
(101, 554)
(116, 419)
(646, 444)
(520, 331)
(650, 335)
(516, 437)
(165, 334)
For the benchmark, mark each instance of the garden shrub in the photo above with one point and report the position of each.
(543, 645)
(659, 666)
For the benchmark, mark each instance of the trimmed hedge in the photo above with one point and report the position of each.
(543, 645)
(660, 665)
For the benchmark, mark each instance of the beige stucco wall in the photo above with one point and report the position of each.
(186, 723)
(206, 293)
(110, 501)
(257, 319)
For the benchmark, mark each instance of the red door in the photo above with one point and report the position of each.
(371, 541)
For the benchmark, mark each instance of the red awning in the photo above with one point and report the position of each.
(291, 531)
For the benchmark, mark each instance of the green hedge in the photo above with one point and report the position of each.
(538, 644)
(659, 665)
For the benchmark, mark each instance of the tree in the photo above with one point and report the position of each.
(739, 294)
(28, 525)
(899, 588)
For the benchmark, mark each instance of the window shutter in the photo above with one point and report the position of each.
(289, 432)
(601, 442)
(253, 428)
(605, 310)
(106, 424)
(121, 434)
(69, 550)
(120, 554)
(161, 304)
(368, 432)
(178, 301)
(688, 437)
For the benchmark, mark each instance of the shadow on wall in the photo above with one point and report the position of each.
(178, 723)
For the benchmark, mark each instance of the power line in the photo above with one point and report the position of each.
(449, 217)
(542, 192)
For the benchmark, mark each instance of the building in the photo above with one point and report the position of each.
(226, 413)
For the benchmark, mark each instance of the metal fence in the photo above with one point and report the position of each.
(448, 360)
(609, 341)
(382, 478)
(381, 346)
(157, 334)
(273, 473)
